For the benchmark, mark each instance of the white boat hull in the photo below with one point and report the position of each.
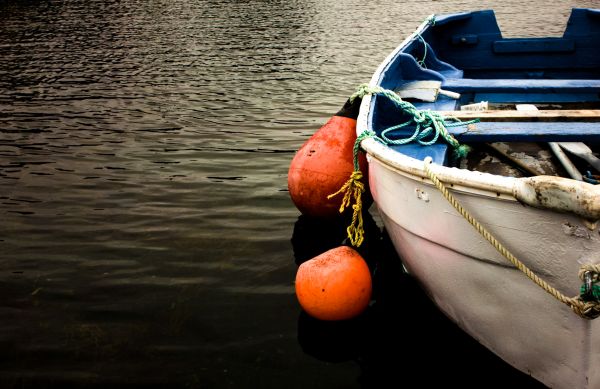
(479, 289)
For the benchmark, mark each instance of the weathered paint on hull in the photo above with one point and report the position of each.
(477, 288)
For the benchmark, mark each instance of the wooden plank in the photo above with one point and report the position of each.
(518, 162)
(532, 157)
(571, 115)
(527, 132)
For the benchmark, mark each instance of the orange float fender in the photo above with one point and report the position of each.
(324, 163)
(335, 285)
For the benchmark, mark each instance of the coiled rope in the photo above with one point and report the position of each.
(428, 124)
(586, 307)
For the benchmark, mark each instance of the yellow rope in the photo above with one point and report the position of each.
(585, 309)
(353, 188)
(593, 269)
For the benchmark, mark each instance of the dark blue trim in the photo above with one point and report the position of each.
(512, 85)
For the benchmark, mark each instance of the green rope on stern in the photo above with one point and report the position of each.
(427, 123)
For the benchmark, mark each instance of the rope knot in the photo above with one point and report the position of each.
(353, 188)
(587, 304)
(365, 89)
(592, 269)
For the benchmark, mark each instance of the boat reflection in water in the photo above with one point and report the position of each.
(401, 335)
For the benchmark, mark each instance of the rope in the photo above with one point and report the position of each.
(585, 309)
(354, 188)
(591, 178)
(421, 62)
(365, 89)
(427, 123)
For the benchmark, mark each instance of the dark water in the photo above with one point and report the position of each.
(146, 234)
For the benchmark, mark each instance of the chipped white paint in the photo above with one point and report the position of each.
(422, 195)
(576, 231)
(481, 106)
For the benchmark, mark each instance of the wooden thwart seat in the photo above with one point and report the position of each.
(574, 115)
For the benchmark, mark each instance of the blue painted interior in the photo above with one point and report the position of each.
(528, 132)
(468, 54)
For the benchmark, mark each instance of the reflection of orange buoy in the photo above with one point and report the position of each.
(335, 285)
(324, 163)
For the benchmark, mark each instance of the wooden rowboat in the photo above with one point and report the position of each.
(504, 240)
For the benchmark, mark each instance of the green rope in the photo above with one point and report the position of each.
(364, 135)
(428, 124)
(421, 62)
(590, 273)
(595, 291)
(364, 89)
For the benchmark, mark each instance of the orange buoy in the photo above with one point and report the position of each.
(324, 163)
(335, 285)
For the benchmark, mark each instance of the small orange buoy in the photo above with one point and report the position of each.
(324, 163)
(335, 285)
